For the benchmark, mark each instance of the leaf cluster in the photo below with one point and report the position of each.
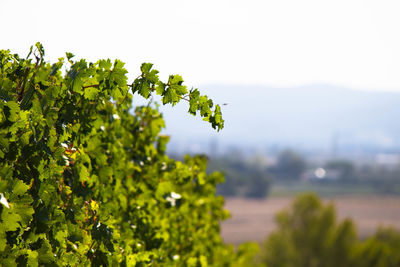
(174, 91)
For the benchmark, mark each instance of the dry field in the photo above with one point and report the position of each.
(253, 220)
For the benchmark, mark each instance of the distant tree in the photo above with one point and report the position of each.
(309, 235)
(258, 186)
(229, 188)
(382, 249)
(242, 178)
(290, 166)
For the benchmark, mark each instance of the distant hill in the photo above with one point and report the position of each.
(315, 117)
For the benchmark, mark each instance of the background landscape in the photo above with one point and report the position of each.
(341, 143)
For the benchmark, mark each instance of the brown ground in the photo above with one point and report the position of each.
(253, 220)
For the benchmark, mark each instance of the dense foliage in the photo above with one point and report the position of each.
(309, 235)
(84, 178)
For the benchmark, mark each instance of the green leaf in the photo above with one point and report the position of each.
(144, 89)
(160, 89)
(14, 110)
(105, 64)
(33, 258)
(146, 67)
(20, 188)
(91, 93)
(170, 96)
(204, 106)
(69, 55)
(61, 236)
(152, 76)
(11, 220)
(194, 97)
(118, 74)
(175, 80)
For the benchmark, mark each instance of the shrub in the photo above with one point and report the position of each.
(84, 175)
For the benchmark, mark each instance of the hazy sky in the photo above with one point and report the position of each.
(280, 43)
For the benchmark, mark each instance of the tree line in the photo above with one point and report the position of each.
(253, 178)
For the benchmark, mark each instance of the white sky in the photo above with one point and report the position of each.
(280, 43)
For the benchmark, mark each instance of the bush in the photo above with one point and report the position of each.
(84, 176)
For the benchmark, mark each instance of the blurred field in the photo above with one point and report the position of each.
(253, 220)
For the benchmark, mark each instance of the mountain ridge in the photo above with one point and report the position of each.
(294, 116)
